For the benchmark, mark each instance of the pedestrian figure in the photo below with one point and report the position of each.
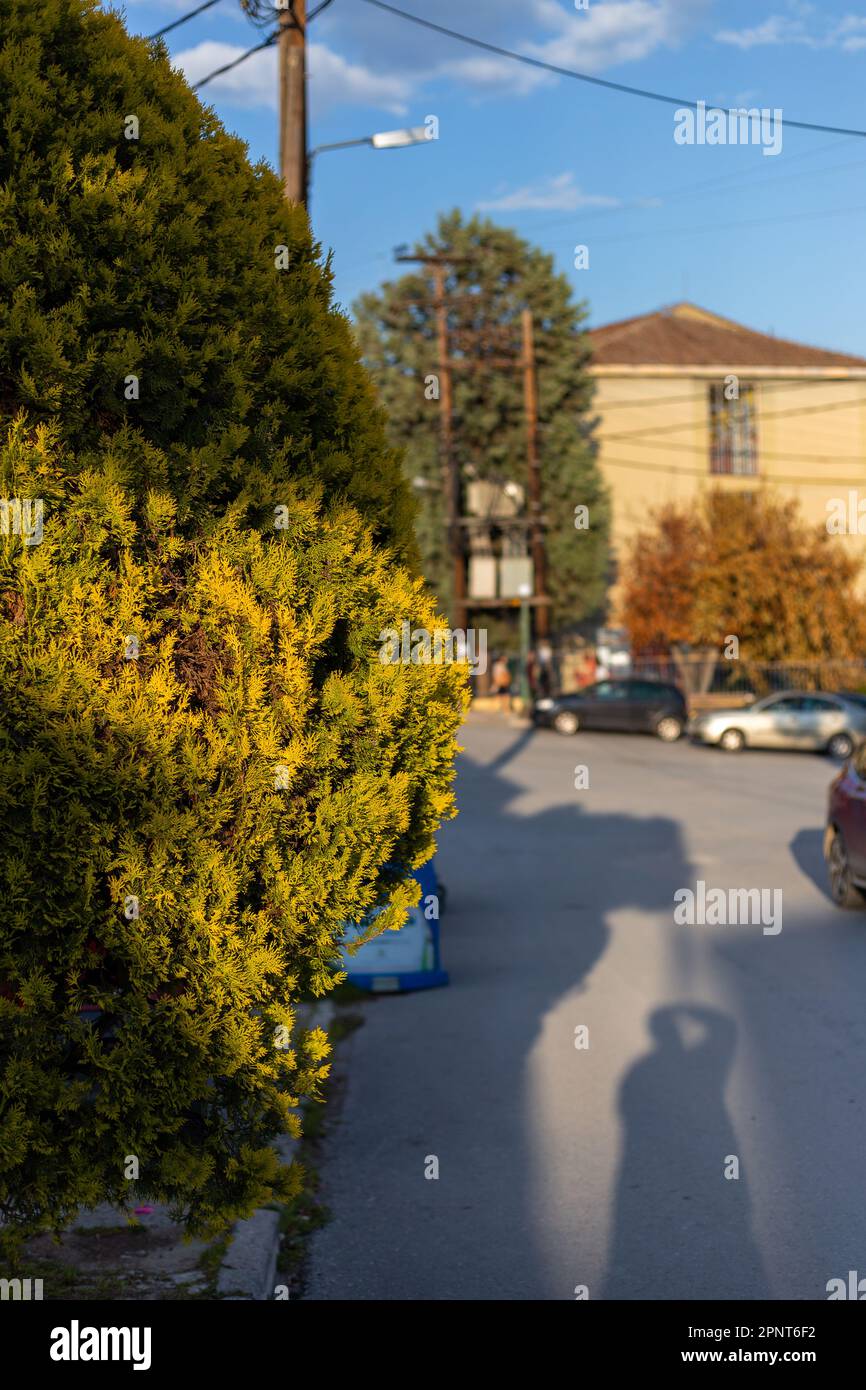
(532, 673)
(544, 670)
(502, 682)
(586, 671)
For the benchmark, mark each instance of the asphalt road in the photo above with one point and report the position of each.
(604, 1166)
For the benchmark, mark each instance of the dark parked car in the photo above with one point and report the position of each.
(626, 706)
(845, 835)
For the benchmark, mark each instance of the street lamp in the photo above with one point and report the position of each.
(382, 140)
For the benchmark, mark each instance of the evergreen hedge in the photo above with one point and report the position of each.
(185, 830)
(158, 258)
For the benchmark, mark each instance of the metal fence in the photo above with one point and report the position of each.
(701, 675)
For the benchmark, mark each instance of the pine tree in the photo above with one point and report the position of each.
(206, 770)
(498, 274)
(157, 291)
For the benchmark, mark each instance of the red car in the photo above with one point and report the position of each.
(845, 836)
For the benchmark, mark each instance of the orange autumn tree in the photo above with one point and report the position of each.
(746, 564)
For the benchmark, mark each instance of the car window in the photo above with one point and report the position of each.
(649, 690)
(786, 704)
(819, 704)
(609, 690)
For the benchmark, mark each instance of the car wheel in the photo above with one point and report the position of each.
(566, 722)
(732, 740)
(669, 728)
(842, 889)
(841, 746)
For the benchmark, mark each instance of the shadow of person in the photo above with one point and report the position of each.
(484, 1076)
(807, 849)
(682, 1228)
(537, 875)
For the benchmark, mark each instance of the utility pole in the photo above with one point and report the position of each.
(293, 99)
(451, 475)
(450, 472)
(536, 521)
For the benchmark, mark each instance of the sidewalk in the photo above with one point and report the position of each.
(105, 1256)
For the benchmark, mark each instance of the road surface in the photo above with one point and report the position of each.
(602, 1168)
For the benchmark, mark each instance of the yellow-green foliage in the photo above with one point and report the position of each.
(248, 779)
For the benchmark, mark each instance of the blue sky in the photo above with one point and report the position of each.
(776, 242)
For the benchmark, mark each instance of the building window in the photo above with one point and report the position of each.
(733, 431)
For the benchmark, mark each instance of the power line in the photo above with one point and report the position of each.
(792, 478)
(707, 188)
(668, 445)
(739, 222)
(272, 38)
(183, 19)
(584, 77)
(765, 415)
(789, 384)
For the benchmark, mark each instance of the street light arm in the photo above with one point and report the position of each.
(341, 145)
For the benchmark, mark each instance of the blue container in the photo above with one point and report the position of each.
(404, 959)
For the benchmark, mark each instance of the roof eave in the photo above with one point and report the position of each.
(722, 369)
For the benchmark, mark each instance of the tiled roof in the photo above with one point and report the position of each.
(684, 335)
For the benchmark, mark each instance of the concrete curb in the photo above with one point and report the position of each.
(249, 1268)
(248, 1271)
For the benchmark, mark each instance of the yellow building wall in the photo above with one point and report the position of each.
(654, 444)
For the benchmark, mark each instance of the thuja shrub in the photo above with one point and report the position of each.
(157, 289)
(205, 771)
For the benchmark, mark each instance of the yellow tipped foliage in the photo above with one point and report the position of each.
(253, 779)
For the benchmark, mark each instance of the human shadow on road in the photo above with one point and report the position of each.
(482, 1075)
(807, 848)
(799, 998)
(682, 1227)
(533, 892)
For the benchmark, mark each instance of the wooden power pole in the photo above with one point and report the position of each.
(293, 100)
(536, 520)
(450, 472)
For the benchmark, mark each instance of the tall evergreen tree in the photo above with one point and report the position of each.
(157, 291)
(205, 767)
(495, 274)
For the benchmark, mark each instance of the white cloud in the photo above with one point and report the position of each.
(389, 62)
(775, 30)
(559, 194)
(619, 31)
(333, 80)
(609, 33)
(848, 33)
(253, 83)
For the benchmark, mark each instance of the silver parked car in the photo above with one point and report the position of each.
(790, 719)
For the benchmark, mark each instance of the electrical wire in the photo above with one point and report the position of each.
(183, 19)
(585, 77)
(236, 61)
(604, 461)
(765, 415)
